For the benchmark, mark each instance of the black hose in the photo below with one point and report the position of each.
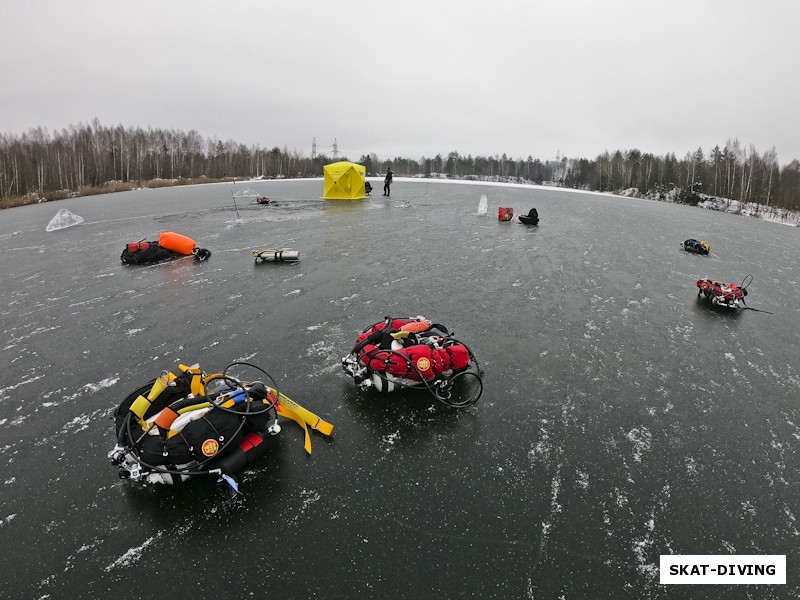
(745, 283)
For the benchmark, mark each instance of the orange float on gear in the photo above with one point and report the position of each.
(176, 242)
(416, 326)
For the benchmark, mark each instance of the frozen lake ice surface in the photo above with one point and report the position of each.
(622, 417)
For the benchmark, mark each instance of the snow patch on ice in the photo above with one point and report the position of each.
(393, 281)
(747, 507)
(37, 331)
(641, 548)
(77, 424)
(582, 479)
(327, 349)
(89, 388)
(641, 440)
(320, 348)
(390, 438)
(133, 554)
(104, 383)
(542, 449)
(10, 388)
(308, 498)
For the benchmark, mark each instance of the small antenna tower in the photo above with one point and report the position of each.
(335, 149)
(313, 148)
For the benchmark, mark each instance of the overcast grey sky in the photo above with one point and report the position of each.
(413, 77)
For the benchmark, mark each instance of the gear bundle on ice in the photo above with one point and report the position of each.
(193, 424)
(169, 245)
(414, 353)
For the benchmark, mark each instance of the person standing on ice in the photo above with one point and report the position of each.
(387, 182)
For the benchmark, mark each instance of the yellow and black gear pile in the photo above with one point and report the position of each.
(179, 426)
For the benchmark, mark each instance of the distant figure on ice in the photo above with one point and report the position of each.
(387, 182)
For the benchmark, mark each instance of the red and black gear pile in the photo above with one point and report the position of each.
(728, 295)
(414, 353)
(169, 245)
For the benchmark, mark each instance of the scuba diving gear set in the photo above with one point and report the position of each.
(169, 245)
(179, 426)
(696, 246)
(728, 295)
(414, 353)
(176, 427)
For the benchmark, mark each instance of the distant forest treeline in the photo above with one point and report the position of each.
(87, 158)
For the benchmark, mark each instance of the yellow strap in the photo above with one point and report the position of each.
(197, 387)
(140, 406)
(313, 420)
(288, 412)
(187, 409)
(160, 385)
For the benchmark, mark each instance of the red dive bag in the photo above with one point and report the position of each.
(505, 214)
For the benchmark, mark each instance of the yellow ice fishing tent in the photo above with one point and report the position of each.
(344, 181)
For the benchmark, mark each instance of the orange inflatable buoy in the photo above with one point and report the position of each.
(176, 242)
(416, 326)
